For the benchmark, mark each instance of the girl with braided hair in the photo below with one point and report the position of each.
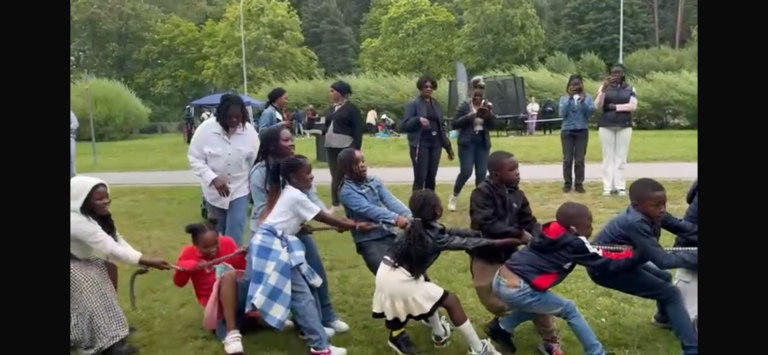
(402, 290)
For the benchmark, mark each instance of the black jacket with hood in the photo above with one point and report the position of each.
(500, 215)
(554, 253)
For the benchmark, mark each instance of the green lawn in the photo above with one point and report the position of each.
(168, 151)
(170, 320)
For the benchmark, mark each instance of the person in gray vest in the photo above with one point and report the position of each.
(73, 125)
(616, 100)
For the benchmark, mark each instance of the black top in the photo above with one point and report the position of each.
(348, 121)
(417, 108)
(429, 137)
(616, 95)
(464, 122)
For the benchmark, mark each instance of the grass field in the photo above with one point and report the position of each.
(169, 152)
(170, 320)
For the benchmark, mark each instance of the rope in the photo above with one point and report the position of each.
(627, 247)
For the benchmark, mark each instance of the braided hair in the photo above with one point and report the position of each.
(346, 163)
(227, 102)
(106, 222)
(269, 140)
(280, 175)
(410, 254)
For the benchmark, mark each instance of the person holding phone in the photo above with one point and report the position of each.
(576, 107)
(616, 101)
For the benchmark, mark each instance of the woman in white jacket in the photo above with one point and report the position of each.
(97, 324)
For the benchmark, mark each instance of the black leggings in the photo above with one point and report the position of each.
(336, 177)
(425, 162)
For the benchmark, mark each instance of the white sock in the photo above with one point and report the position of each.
(470, 335)
(437, 327)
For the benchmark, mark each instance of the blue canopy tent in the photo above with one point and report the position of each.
(213, 100)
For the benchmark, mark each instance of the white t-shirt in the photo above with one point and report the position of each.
(291, 210)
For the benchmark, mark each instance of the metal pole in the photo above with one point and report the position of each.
(90, 115)
(621, 31)
(242, 45)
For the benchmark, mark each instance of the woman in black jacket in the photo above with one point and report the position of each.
(427, 138)
(345, 129)
(474, 119)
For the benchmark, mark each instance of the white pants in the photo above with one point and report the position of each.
(688, 283)
(615, 142)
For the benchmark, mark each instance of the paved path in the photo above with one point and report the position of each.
(549, 172)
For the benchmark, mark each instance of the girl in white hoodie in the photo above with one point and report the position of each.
(97, 324)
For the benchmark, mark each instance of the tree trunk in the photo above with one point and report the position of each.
(656, 21)
(679, 30)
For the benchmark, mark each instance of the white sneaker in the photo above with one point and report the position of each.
(606, 193)
(487, 349)
(452, 203)
(332, 350)
(288, 325)
(622, 193)
(339, 326)
(233, 343)
(442, 341)
(329, 332)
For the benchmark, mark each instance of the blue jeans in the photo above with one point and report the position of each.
(528, 303)
(312, 254)
(305, 311)
(242, 300)
(473, 156)
(649, 282)
(231, 222)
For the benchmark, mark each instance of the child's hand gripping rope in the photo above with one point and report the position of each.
(143, 270)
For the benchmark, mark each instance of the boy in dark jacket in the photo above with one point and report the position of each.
(640, 226)
(524, 282)
(500, 210)
(688, 280)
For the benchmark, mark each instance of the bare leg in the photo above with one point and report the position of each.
(228, 299)
(453, 306)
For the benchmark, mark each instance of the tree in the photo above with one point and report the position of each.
(415, 36)
(274, 46)
(371, 24)
(499, 33)
(328, 36)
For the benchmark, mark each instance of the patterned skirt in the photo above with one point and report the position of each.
(96, 321)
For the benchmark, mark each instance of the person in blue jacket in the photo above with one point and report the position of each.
(576, 107)
(273, 113)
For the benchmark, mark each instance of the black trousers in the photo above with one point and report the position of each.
(425, 161)
(574, 152)
(371, 129)
(336, 175)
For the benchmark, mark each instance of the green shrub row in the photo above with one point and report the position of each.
(116, 109)
(665, 99)
(639, 63)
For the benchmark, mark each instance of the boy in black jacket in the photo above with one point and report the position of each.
(524, 282)
(500, 210)
(639, 226)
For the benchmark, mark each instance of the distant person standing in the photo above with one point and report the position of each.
(189, 123)
(345, 129)
(576, 108)
(206, 114)
(298, 123)
(370, 121)
(533, 113)
(73, 125)
(274, 111)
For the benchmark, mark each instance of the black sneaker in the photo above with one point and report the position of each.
(121, 348)
(500, 336)
(567, 188)
(580, 189)
(661, 321)
(402, 344)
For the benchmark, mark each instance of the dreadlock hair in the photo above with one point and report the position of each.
(345, 163)
(410, 254)
(106, 222)
(229, 101)
(279, 176)
(269, 139)
(197, 230)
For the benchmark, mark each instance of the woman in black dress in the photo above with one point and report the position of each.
(423, 120)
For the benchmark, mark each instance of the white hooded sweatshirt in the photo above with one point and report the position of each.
(86, 238)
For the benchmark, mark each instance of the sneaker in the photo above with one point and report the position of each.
(621, 192)
(233, 343)
(442, 341)
(329, 332)
(121, 348)
(339, 326)
(487, 349)
(500, 336)
(660, 321)
(566, 189)
(452, 203)
(288, 325)
(548, 348)
(402, 344)
(580, 189)
(332, 350)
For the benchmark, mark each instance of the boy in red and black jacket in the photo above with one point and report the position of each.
(524, 282)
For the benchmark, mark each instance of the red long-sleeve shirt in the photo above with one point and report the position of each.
(203, 280)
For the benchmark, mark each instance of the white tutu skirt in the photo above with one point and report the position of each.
(399, 297)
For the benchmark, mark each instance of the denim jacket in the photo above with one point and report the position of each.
(576, 114)
(268, 118)
(257, 178)
(371, 201)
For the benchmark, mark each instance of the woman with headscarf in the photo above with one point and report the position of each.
(616, 100)
(474, 119)
(423, 120)
(274, 111)
(221, 154)
(97, 324)
(345, 129)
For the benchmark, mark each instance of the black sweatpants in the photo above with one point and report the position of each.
(574, 152)
(336, 176)
(425, 162)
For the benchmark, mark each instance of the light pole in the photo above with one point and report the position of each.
(621, 33)
(242, 45)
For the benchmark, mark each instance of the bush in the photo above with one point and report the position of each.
(559, 62)
(116, 109)
(591, 66)
(660, 59)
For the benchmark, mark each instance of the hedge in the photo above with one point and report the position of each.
(117, 111)
(665, 99)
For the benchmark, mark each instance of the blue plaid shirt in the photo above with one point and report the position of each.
(272, 257)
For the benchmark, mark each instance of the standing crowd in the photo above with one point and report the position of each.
(276, 277)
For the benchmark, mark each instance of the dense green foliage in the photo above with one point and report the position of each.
(116, 109)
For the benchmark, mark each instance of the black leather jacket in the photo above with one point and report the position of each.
(442, 239)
